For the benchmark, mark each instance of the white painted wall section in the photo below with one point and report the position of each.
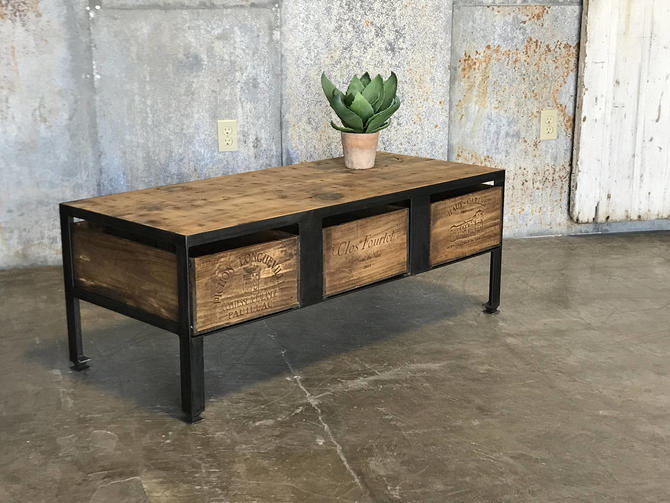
(621, 162)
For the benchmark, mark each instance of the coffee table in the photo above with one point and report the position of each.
(198, 257)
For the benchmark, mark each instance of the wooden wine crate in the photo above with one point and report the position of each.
(127, 271)
(241, 283)
(365, 250)
(464, 225)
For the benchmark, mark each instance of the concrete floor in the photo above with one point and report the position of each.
(403, 392)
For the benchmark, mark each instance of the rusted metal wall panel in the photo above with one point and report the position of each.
(622, 160)
(510, 61)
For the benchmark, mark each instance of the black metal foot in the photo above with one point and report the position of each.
(81, 363)
(192, 419)
(489, 309)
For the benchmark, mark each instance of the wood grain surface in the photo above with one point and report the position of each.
(464, 225)
(244, 283)
(126, 271)
(364, 251)
(218, 203)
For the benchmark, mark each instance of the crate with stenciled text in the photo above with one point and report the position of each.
(465, 224)
(364, 248)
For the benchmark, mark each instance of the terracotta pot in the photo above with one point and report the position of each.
(359, 149)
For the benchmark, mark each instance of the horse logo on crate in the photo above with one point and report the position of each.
(252, 279)
(470, 226)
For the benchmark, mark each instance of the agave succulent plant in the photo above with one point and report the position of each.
(367, 105)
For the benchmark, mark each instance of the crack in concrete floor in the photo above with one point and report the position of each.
(315, 405)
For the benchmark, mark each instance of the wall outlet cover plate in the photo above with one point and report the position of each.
(227, 135)
(548, 124)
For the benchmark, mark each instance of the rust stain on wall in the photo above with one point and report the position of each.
(469, 157)
(18, 9)
(527, 13)
(510, 62)
(533, 13)
(475, 72)
(540, 70)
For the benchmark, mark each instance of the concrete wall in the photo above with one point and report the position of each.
(47, 138)
(343, 37)
(111, 95)
(166, 71)
(105, 96)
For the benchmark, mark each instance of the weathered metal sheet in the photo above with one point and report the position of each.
(342, 37)
(164, 77)
(47, 131)
(508, 63)
(622, 148)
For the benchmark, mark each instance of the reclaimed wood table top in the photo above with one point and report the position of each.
(200, 206)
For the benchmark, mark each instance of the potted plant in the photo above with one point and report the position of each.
(364, 110)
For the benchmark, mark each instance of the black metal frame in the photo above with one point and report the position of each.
(309, 226)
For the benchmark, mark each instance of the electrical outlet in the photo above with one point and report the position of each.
(227, 130)
(548, 125)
